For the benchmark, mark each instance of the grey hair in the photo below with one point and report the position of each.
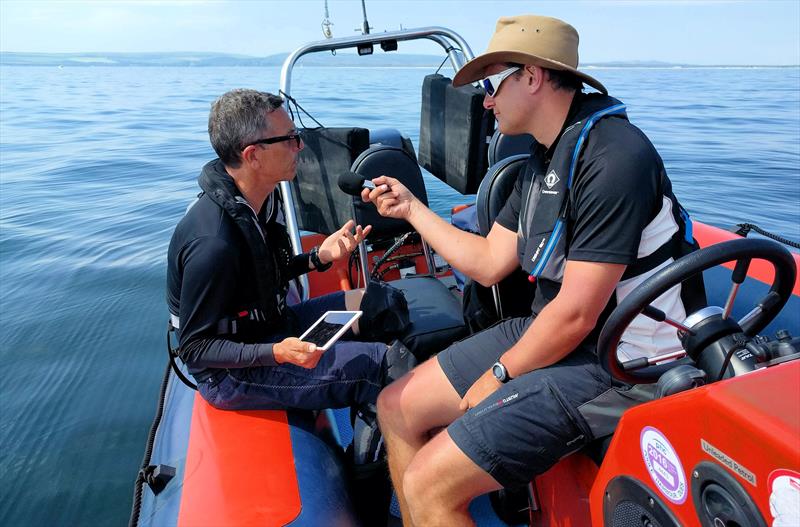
(237, 118)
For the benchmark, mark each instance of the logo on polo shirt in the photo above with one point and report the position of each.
(550, 180)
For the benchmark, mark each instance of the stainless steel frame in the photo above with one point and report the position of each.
(458, 51)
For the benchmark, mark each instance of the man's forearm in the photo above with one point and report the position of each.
(215, 352)
(556, 331)
(568, 319)
(467, 252)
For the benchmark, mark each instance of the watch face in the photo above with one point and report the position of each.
(499, 372)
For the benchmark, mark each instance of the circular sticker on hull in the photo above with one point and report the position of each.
(663, 464)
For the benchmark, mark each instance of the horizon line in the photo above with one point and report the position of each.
(244, 56)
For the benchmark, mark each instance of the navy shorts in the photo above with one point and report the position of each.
(532, 421)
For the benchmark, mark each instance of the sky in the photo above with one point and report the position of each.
(764, 32)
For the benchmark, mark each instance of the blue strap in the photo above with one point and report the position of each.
(687, 226)
(548, 249)
(590, 122)
(558, 229)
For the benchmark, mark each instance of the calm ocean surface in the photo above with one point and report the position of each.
(98, 164)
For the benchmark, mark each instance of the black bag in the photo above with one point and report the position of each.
(385, 313)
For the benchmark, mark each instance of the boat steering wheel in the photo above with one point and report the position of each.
(638, 301)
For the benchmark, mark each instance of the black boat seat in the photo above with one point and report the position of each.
(502, 146)
(435, 315)
(513, 295)
(495, 189)
(392, 161)
(434, 312)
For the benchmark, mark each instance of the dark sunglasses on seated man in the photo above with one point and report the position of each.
(295, 136)
(492, 83)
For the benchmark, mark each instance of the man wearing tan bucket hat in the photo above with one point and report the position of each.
(591, 216)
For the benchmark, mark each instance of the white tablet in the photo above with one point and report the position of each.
(329, 328)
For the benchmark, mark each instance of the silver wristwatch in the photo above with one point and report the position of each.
(500, 372)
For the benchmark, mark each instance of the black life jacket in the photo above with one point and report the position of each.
(543, 217)
(543, 228)
(270, 249)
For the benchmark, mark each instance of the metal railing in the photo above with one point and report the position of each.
(457, 49)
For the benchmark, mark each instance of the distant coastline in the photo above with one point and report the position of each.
(189, 59)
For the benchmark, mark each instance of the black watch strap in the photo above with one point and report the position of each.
(316, 262)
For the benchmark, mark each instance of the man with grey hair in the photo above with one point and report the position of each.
(229, 268)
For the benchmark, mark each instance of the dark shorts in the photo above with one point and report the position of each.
(350, 373)
(532, 421)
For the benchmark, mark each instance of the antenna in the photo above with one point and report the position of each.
(326, 23)
(365, 27)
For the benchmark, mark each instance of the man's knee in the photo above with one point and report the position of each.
(389, 405)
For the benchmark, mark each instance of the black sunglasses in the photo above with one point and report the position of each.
(297, 137)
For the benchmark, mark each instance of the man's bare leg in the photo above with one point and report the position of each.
(441, 481)
(408, 410)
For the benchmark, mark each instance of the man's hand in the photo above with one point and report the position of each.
(485, 386)
(295, 351)
(391, 198)
(342, 242)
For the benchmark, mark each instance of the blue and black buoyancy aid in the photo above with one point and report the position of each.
(543, 220)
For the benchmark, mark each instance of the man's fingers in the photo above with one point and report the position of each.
(361, 233)
(387, 204)
(379, 190)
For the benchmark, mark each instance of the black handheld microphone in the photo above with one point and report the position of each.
(352, 183)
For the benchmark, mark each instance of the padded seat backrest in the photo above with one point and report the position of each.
(453, 130)
(495, 189)
(502, 146)
(319, 204)
(513, 295)
(395, 162)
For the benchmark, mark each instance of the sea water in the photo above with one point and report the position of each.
(97, 165)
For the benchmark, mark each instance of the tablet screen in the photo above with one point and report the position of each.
(322, 332)
(330, 327)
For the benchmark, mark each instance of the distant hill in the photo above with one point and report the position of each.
(342, 58)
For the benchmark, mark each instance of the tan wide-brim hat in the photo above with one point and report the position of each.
(529, 39)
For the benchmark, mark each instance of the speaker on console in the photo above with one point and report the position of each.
(720, 500)
(629, 503)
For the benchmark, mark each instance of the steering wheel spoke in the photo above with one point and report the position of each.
(659, 316)
(737, 277)
(644, 362)
(766, 304)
